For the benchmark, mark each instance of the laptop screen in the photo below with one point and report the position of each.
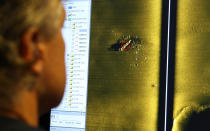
(71, 113)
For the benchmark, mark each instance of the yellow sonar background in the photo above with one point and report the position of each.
(123, 86)
(192, 77)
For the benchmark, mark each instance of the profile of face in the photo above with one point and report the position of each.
(34, 36)
(53, 71)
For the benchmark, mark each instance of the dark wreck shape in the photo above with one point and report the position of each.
(125, 43)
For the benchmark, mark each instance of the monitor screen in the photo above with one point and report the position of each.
(71, 113)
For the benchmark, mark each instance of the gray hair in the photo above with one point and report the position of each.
(16, 17)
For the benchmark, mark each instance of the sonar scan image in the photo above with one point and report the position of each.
(124, 65)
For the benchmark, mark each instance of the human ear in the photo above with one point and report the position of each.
(37, 66)
(32, 50)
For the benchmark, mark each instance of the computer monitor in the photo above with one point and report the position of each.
(70, 115)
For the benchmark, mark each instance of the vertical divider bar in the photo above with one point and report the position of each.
(167, 65)
(170, 83)
(163, 66)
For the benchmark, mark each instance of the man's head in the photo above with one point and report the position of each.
(31, 51)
